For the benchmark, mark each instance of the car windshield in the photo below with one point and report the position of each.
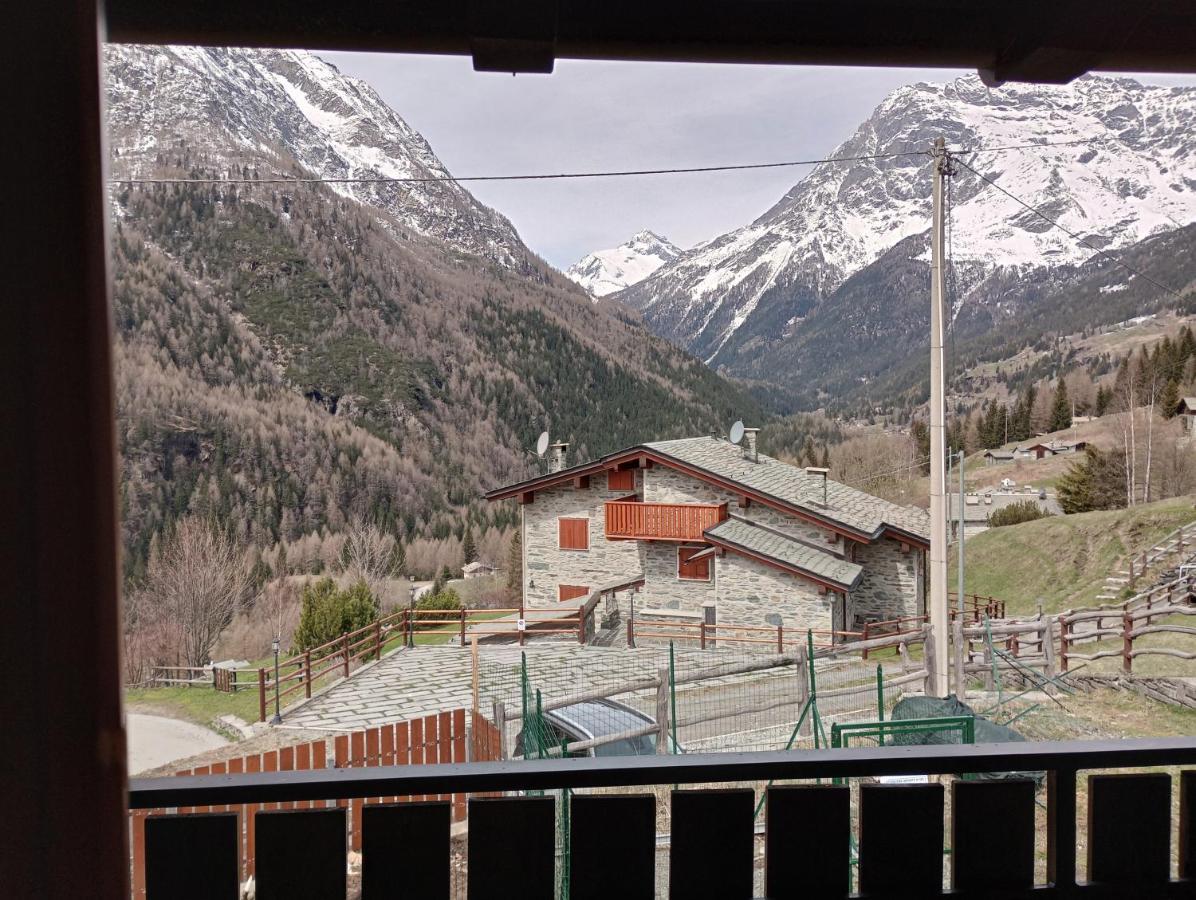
(644, 745)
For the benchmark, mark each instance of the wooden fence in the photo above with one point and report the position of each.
(338, 658)
(1174, 544)
(439, 738)
(1054, 644)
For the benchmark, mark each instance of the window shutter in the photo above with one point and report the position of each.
(697, 570)
(573, 534)
(621, 481)
(571, 591)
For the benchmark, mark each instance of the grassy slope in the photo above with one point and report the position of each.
(1064, 559)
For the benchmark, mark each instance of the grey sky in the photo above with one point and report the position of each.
(598, 115)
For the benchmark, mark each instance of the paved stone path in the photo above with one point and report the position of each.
(412, 683)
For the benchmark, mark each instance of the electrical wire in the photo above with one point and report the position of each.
(1072, 234)
(876, 476)
(557, 176)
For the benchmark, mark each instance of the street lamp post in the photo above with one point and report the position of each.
(411, 619)
(277, 711)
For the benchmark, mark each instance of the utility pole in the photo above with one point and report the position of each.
(962, 507)
(939, 618)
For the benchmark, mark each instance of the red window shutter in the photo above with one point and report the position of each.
(573, 534)
(621, 481)
(697, 570)
(571, 591)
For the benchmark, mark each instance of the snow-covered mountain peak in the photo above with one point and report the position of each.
(287, 112)
(1135, 177)
(606, 271)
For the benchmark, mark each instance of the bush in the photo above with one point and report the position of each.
(445, 599)
(1015, 513)
(328, 612)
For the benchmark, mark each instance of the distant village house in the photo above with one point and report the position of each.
(705, 526)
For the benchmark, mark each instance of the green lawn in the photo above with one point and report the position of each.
(1064, 559)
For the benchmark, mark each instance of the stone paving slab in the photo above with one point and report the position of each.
(413, 683)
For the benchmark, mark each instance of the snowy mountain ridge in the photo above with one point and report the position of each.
(1136, 177)
(604, 272)
(288, 113)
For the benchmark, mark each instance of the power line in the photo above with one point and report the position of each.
(558, 176)
(1074, 235)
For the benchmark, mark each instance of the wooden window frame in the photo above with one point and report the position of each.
(560, 533)
(709, 569)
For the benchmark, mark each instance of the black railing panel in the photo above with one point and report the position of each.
(901, 840)
(1129, 829)
(992, 835)
(192, 857)
(711, 844)
(807, 834)
(407, 843)
(613, 847)
(300, 855)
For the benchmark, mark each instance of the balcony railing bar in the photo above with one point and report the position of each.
(1061, 757)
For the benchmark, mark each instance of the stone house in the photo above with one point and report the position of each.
(709, 528)
(1186, 411)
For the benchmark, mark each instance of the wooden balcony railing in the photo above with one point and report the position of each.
(661, 521)
(1129, 830)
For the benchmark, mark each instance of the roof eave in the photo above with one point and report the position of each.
(798, 571)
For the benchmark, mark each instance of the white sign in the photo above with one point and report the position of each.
(904, 779)
(521, 625)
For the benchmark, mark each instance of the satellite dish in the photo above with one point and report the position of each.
(542, 444)
(736, 433)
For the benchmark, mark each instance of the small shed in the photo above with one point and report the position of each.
(477, 570)
(1186, 411)
(997, 457)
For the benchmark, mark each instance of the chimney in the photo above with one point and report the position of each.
(819, 472)
(556, 457)
(749, 444)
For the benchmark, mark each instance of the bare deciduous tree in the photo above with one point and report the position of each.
(195, 586)
(369, 556)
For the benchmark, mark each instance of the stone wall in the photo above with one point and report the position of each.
(751, 593)
(548, 566)
(662, 587)
(889, 587)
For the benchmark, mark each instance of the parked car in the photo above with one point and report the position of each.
(592, 719)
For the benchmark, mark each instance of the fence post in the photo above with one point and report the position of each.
(345, 650)
(1062, 643)
(864, 653)
(307, 673)
(377, 639)
(662, 710)
(1047, 639)
(473, 654)
(261, 694)
(780, 639)
(961, 686)
(1127, 643)
(928, 658)
(709, 618)
(463, 628)
(630, 634)
(702, 635)
(803, 686)
(581, 624)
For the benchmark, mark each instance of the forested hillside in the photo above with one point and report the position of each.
(288, 360)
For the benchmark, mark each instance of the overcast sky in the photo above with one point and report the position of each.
(598, 115)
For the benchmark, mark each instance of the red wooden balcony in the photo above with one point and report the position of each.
(627, 520)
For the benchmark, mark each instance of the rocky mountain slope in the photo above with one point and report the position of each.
(293, 356)
(731, 299)
(606, 271)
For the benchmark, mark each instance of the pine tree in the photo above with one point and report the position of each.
(1103, 397)
(468, 548)
(515, 565)
(1169, 399)
(1060, 409)
(825, 462)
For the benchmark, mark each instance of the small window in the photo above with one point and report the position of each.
(573, 534)
(621, 481)
(571, 591)
(692, 569)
